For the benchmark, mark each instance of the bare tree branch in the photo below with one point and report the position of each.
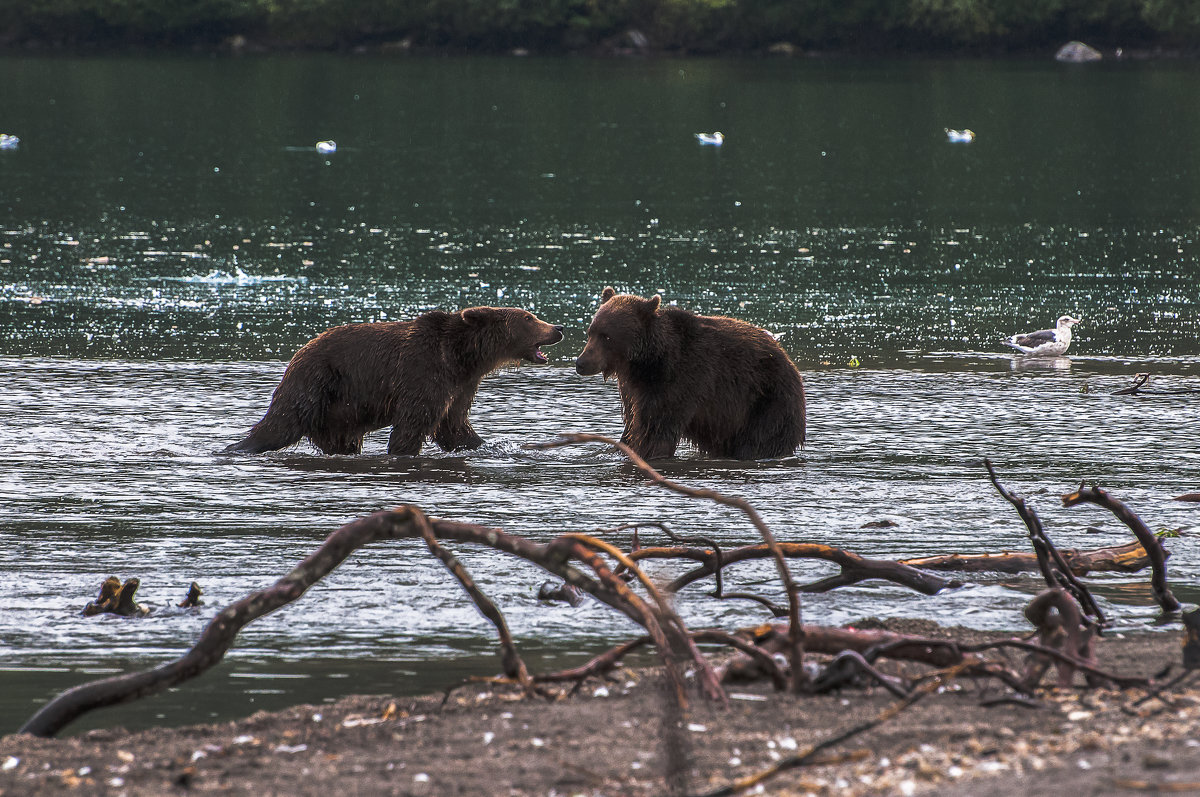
(795, 632)
(1152, 544)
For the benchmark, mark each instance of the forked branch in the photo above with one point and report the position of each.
(1152, 544)
(795, 630)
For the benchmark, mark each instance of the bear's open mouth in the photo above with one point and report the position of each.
(538, 356)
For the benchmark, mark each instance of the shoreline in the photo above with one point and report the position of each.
(609, 739)
(248, 46)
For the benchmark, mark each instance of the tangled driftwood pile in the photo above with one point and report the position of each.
(1065, 617)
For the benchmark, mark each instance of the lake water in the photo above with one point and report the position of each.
(169, 237)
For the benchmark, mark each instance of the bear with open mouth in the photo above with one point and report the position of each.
(419, 377)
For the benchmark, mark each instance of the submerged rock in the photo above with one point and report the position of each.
(1077, 52)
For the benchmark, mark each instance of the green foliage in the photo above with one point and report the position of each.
(151, 21)
(953, 20)
(1179, 19)
(692, 25)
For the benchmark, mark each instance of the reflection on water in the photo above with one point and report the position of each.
(1020, 363)
(163, 253)
(142, 489)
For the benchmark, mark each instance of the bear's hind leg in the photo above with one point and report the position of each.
(775, 429)
(276, 430)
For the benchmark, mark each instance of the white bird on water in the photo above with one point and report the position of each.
(960, 136)
(8, 142)
(713, 139)
(326, 147)
(1045, 342)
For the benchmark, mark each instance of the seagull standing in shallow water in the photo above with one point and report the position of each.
(1045, 342)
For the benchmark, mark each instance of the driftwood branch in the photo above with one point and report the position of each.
(1127, 558)
(117, 598)
(1139, 382)
(1053, 566)
(874, 644)
(514, 666)
(855, 568)
(1056, 616)
(796, 634)
(1152, 544)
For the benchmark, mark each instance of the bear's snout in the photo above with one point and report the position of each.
(588, 363)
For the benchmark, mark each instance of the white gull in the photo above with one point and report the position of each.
(713, 139)
(1045, 342)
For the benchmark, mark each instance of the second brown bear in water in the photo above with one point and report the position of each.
(419, 377)
(724, 384)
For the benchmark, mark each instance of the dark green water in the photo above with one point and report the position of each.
(168, 237)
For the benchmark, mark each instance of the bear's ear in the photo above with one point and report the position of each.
(477, 315)
(653, 302)
(607, 294)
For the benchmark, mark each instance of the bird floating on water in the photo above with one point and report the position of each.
(1045, 342)
(712, 139)
(326, 147)
(960, 136)
(8, 141)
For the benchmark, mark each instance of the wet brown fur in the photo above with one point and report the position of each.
(419, 377)
(724, 384)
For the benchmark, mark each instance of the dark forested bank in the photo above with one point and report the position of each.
(700, 26)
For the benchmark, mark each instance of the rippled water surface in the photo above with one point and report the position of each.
(169, 238)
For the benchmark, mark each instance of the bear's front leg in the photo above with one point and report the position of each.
(652, 440)
(413, 420)
(456, 438)
(405, 442)
(454, 431)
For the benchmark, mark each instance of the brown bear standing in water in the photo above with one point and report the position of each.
(725, 385)
(419, 377)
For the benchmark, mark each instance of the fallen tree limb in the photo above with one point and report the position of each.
(218, 637)
(873, 643)
(1054, 568)
(1139, 382)
(1152, 544)
(855, 568)
(1061, 626)
(511, 661)
(1128, 558)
